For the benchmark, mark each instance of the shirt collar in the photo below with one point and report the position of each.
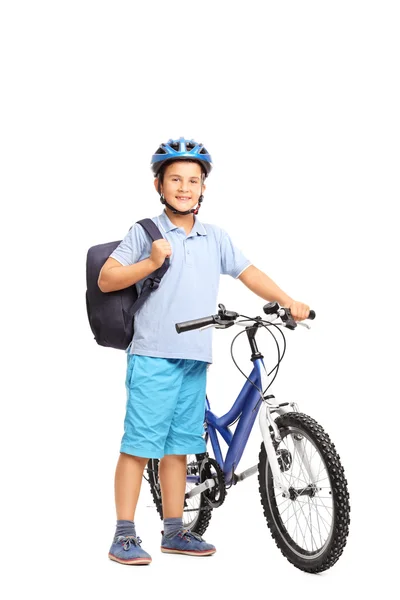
(167, 225)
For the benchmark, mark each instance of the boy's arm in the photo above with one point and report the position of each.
(114, 276)
(259, 283)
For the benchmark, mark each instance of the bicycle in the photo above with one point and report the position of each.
(299, 471)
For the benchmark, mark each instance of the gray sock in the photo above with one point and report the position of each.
(125, 528)
(172, 526)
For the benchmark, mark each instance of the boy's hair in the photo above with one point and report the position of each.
(161, 172)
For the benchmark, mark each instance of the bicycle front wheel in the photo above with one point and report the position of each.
(311, 526)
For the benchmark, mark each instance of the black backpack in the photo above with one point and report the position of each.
(111, 313)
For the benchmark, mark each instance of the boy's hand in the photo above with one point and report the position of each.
(160, 250)
(299, 310)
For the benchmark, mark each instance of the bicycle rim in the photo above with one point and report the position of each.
(305, 522)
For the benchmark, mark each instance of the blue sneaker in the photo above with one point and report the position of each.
(127, 550)
(186, 542)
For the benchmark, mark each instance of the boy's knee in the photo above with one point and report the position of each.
(138, 459)
(173, 458)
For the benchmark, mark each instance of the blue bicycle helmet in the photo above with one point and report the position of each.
(181, 149)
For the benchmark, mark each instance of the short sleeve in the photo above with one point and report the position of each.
(233, 261)
(131, 247)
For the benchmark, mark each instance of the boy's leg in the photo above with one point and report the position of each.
(128, 481)
(146, 426)
(185, 436)
(175, 538)
(126, 547)
(172, 474)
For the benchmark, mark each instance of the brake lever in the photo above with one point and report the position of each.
(218, 324)
(304, 325)
(223, 324)
(206, 327)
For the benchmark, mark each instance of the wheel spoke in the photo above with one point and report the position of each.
(298, 524)
(288, 506)
(316, 504)
(329, 497)
(325, 523)
(308, 524)
(322, 479)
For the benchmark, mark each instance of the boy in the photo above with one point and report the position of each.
(166, 373)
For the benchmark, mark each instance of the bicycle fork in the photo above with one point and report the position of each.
(267, 423)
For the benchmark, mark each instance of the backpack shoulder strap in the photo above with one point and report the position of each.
(155, 234)
(151, 228)
(153, 281)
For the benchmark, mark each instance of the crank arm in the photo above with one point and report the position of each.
(206, 485)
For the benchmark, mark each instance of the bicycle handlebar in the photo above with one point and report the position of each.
(195, 324)
(226, 318)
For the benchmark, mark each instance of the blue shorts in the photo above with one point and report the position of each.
(165, 407)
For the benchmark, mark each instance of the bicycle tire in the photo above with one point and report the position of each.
(203, 514)
(301, 424)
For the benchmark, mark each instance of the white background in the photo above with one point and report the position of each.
(298, 104)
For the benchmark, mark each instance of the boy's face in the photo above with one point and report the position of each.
(181, 186)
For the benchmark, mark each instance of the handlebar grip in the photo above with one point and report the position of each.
(195, 324)
(311, 314)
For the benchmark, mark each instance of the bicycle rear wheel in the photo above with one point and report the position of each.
(196, 511)
(311, 526)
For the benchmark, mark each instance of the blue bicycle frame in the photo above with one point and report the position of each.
(246, 407)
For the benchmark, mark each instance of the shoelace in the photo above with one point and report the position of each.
(129, 540)
(185, 533)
